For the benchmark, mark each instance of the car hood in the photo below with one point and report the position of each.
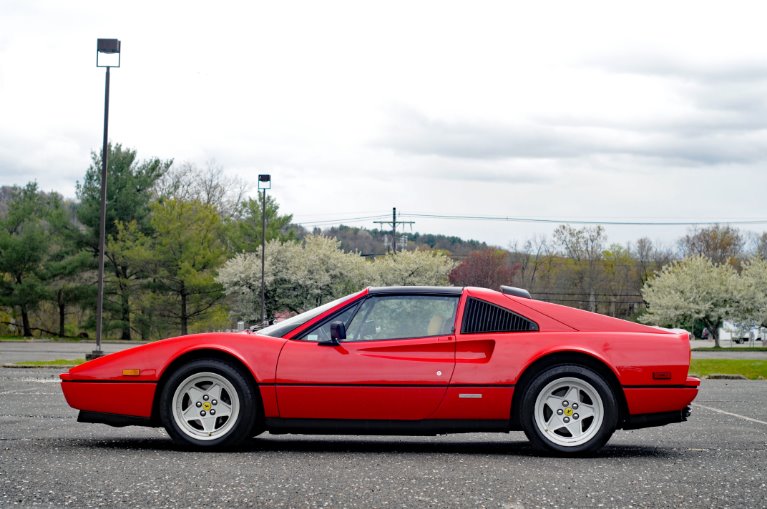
(146, 363)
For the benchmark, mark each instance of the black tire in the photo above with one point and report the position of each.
(568, 409)
(209, 404)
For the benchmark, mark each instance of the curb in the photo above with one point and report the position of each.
(726, 377)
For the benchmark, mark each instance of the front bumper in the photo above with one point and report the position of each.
(133, 399)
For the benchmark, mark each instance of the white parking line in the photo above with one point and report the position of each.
(730, 413)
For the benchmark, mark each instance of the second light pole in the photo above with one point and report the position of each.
(264, 183)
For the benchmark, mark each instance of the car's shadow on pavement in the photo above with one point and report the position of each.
(325, 445)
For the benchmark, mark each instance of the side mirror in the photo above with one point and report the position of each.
(338, 331)
(337, 334)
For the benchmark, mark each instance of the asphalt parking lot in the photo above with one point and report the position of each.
(717, 459)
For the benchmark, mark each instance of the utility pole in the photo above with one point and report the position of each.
(394, 224)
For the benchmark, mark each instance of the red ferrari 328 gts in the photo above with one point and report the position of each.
(405, 361)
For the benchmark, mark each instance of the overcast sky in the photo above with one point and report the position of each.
(643, 111)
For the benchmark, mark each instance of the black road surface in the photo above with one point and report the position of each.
(716, 459)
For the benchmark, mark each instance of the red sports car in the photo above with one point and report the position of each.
(406, 361)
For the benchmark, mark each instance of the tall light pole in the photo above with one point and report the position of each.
(264, 183)
(107, 55)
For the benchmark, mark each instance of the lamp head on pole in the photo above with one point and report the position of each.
(108, 53)
(264, 182)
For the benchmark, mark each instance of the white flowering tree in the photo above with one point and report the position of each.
(298, 276)
(753, 289)
(302, 275)
(693, 289)
(412, 268)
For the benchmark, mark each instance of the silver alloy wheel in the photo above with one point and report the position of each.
(569, 412)
(205, 406)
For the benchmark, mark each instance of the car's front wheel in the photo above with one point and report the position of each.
(569, 409)
(208, 403)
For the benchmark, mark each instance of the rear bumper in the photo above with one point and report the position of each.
(658, 419)
(655, 399)
(133, 399)
(658, 405)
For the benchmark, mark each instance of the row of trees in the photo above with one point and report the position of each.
(183, 248)
(181, 255)
(169, 229)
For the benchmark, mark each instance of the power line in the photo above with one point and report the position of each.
(342, 220)
(583, 221)
(515, 219)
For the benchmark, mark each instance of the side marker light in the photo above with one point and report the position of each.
(131, 372)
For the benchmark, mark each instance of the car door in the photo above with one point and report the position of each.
(395, 363)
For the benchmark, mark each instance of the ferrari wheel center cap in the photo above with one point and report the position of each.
(206, 406)
(569, 412)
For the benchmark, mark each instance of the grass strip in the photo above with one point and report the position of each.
(57, 362)
(753, 369)
(730, 349)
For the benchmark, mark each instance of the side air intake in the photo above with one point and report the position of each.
(481, 316)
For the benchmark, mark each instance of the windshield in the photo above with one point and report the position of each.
(280, 329)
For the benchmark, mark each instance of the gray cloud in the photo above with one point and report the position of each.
(726, 124)
(666, 66)
(55, 164)
(412, 132)
(727, 96)
(686, 143)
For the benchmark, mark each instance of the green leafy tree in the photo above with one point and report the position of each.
(24, 246)
(130, 185)
(245, 234)
(693, 289)
(68, 272)
(131, 248)
(186, 252)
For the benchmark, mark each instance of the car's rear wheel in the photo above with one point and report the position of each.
(208, 403)
(569, 409)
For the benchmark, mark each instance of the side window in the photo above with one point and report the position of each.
(403, 316)
(322, 331)
(480, 316)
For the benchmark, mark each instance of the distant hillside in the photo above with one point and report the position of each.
(375, 242)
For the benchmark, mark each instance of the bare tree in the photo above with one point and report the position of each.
(209, 186)
(585, 247)
(720, 244)
(530, 258)
(761, 246)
